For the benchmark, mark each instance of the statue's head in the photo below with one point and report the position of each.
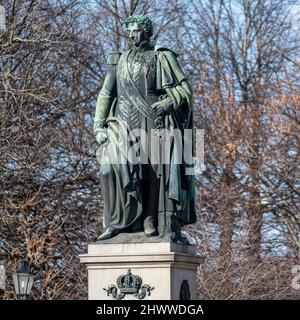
(139, 29)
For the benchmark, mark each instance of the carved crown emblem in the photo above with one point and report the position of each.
(129, 284)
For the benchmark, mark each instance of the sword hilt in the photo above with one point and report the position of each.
(159, 122)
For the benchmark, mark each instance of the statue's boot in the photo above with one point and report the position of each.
(150, 229)
(170, 228)
(110, 232)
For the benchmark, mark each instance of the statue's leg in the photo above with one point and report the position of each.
(150, 195)
(110, 196)
(169, 227)
(122, 211)
(169, 223)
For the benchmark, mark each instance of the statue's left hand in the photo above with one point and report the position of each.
(102, 136)
(162, 106)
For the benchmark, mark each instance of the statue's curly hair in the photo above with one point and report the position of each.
(142, 20)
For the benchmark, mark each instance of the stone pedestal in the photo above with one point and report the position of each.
(169, 268)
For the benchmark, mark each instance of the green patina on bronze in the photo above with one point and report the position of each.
(142, 85)
(143, 21)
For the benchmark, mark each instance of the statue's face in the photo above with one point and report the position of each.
(136, 34)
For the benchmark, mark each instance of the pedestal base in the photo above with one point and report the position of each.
(169, 268)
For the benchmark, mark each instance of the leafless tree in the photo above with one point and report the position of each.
(242, 60)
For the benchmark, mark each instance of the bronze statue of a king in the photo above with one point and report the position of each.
(145, 98)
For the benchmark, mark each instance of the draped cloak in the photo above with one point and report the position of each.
(120, 179)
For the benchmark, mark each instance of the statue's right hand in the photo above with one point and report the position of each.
(102, 136)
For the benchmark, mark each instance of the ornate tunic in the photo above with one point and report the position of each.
(142, 70)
